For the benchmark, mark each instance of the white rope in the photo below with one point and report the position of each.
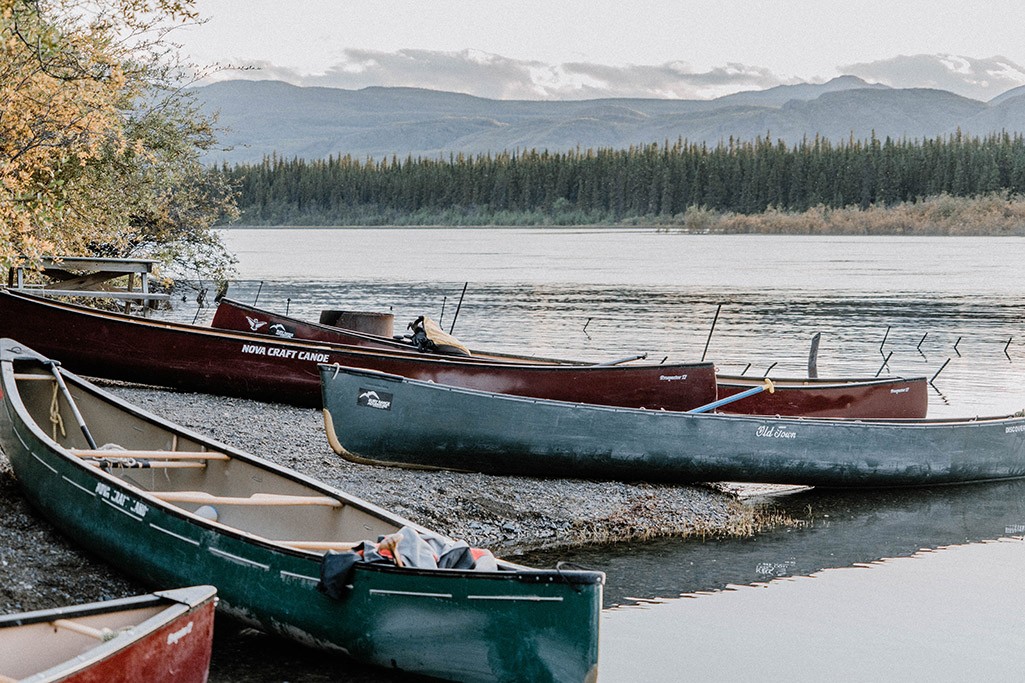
(55, 414)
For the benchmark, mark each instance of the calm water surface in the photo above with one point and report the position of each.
(735, 609)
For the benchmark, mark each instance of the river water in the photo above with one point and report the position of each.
(908, 585)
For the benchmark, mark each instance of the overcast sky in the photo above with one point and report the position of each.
(537, 49)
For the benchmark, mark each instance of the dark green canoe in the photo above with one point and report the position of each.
(385, 419)
(137, 508)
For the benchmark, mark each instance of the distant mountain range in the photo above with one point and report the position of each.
(261, 118)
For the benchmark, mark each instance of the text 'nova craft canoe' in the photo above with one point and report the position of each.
(170, 507)
(386, 419)
(889, 397)
(163, 637)
(118, 346)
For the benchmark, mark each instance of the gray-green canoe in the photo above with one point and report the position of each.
(265, 550)
(378, 418)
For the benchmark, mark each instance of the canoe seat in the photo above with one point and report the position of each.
(204, 498)
(32, 376)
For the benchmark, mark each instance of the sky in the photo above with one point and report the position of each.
(539, 49)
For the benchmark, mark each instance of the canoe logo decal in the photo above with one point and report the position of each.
(900, 391)
(374, 399)
(285, 353)
(173, 638)
(119, 500)
(671, 378)
(775, 432)
(255, 323)
(1014, 429)
(281, 331)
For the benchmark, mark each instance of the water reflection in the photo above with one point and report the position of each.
(952, 614)
(839, 529)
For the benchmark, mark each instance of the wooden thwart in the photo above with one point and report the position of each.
(204, 498)
(69, 625)
(153, 464)
(32, 376)
(153, 455)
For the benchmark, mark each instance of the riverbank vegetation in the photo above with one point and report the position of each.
(99, 143)
(951, 185)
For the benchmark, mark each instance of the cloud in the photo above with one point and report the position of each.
(483, 74)
(980, 79)
(492, 76)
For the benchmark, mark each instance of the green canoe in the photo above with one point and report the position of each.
(138, 491)
(379, 418)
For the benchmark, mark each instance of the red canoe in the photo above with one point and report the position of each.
(894, 397)
(162, 637)
(240, 317)
(193, 358)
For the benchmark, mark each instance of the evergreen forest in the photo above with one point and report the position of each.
(657, 184)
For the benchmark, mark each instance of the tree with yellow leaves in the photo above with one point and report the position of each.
(99, 142)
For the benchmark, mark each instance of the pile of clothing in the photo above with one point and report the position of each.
(407, 547)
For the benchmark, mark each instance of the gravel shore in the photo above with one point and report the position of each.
(509, 515)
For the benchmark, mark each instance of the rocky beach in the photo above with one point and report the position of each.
(509, 515)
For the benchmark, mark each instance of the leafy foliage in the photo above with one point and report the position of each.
(99, 144)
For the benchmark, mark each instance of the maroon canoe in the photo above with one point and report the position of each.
(193, 358)
(892, 397)
(162, 637)
(240, 317)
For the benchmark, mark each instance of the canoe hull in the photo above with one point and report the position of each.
(898, 398)
(201, 359)
(173, 646)
(450, 624)
(416, 424)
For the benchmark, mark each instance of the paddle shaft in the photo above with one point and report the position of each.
(768, 386)
(458, 306)
(627, 359)
(711, 330)
(71, 402)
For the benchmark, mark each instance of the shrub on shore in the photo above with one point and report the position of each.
(990, 214)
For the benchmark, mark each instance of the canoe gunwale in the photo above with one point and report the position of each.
(785, 383)
(188, 598)
(11, 351)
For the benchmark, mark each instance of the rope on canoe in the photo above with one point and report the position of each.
(55, 414)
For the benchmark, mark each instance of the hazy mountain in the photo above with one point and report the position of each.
(272, 117)
(1010, 94)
